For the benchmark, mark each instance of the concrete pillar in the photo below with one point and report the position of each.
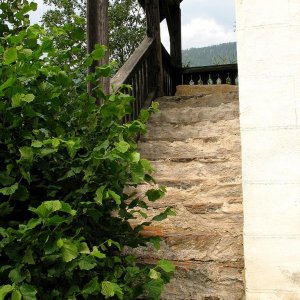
(268, 35)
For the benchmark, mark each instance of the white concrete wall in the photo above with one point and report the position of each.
(268, 34)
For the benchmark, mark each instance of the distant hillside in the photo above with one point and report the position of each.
(212, 55)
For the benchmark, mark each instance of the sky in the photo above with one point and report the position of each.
(203, 22)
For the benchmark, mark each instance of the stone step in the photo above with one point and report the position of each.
(203, 247)
(190, 222)
(193, 110)
(209, 197)
(223, 149)
(201, 100)
(206, 281)
(216, 90)
(196, 171)
(196, 280)
(206, 131)
(191, 115)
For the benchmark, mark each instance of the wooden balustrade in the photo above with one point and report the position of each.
(223, 71)
(171, 74)
(138, 71)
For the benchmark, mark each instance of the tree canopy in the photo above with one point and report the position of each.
(127, 24)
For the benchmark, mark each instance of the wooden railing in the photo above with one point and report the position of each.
(221, 71)
(171, 74)
(138, 72)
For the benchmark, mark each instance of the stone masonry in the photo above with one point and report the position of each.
(194, 145)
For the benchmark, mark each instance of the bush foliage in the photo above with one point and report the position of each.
(64, 163)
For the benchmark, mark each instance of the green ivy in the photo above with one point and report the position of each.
(64, 163)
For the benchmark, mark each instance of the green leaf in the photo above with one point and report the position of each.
(137, 173)
(26, 52)
(92, 287)
(10, 56)
(55, 220)
(19, 99)
(84, 248)
(110, 289)
(154, 274)
(115, 196)
(122, 146)
(144, 115)
(16, 295)
(97, 253)
(99, 195)
(16, 275)
(4, 290)
(146, 165)
(49, 207)
(32, 223)
(28, 257)
(72, 146)
(69, 250)
(154, 288)
(111, 242)
(162, 216)
(7, 191)
(36, 144)
(155, 241)
(135, 157)
(99, 52)
(87, 263)
(28, 291)
(6, 179)
(26, 155)
(8, 83)
(166, 265)
(154, 194)
(55, 142)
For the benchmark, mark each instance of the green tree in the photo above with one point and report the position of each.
(127, 24)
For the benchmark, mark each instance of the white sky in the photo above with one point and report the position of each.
(204, 22)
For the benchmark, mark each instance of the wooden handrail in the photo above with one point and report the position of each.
(139, 71)
(127, 70)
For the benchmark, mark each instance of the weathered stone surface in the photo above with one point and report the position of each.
(194, 146)
(207, 131)
(224, 147)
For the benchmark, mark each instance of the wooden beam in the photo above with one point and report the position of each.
(173, 17)
(153, 31)
(97, 33)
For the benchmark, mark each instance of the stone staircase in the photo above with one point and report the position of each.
(194, 144)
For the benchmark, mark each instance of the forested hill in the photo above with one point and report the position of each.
(212, 55)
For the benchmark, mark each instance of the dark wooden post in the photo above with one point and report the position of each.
(97, 33)
(153, 30)
(175, 35)
(173, 17)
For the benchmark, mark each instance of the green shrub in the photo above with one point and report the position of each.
(64, 163)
